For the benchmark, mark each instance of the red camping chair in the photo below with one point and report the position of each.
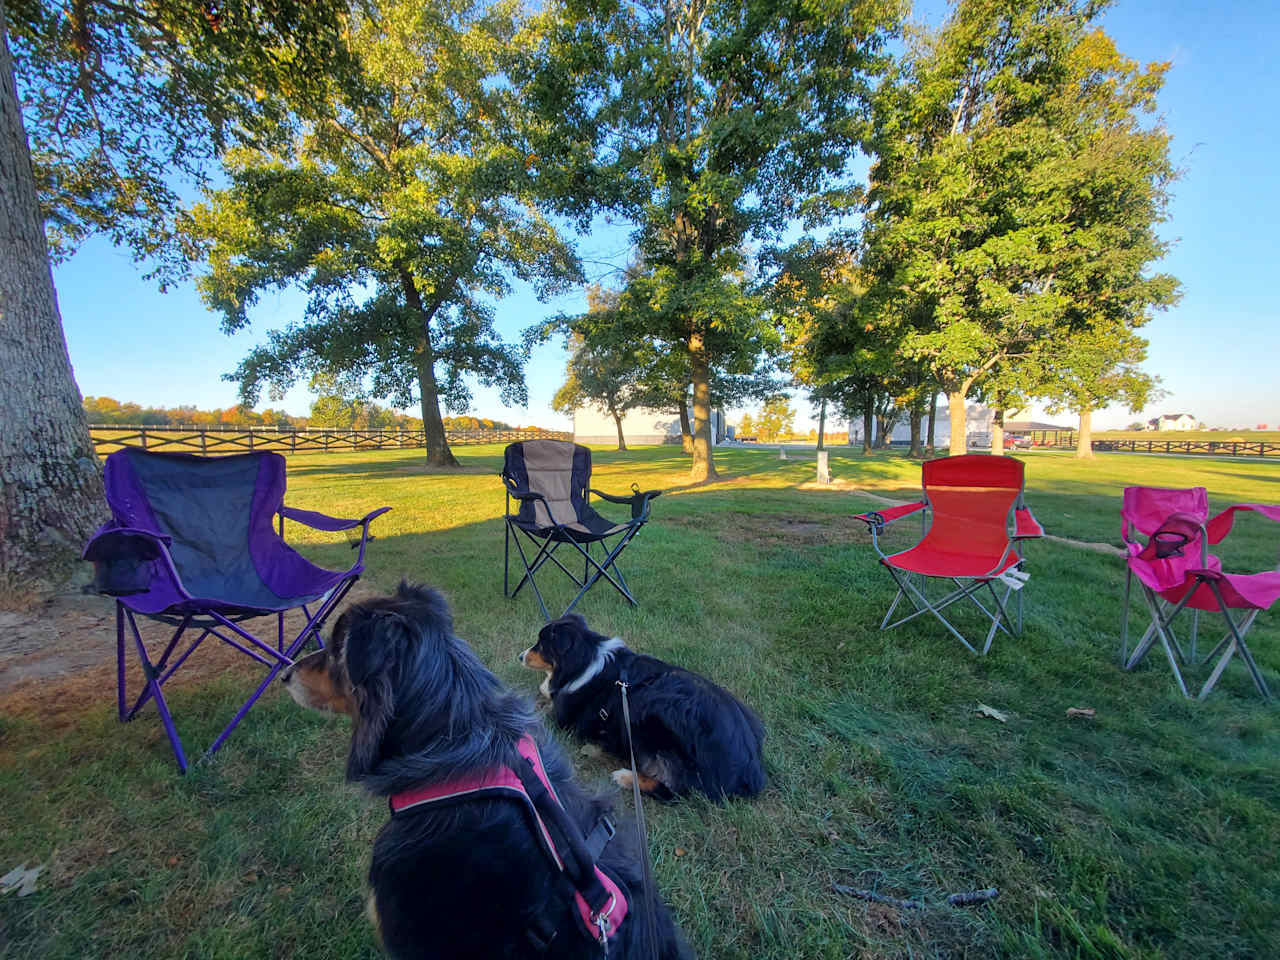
(1176, 572)
(974, 523)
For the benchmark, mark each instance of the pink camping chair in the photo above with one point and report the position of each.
(975, 521)
(1176, 572)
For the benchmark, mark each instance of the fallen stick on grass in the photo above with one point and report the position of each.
(972, 896)
(963, 899)
(878, 897)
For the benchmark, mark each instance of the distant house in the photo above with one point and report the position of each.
(639, 427)
(1174, 421)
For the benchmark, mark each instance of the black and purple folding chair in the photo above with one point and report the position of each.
(191, 544)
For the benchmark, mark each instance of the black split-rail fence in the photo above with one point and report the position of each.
(224, 438)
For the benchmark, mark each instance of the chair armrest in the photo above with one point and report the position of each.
(639, 500)
(525, 494)
(1218, 528)
(124, 559)
(1025, 525)
(877, 520)
(320, 521)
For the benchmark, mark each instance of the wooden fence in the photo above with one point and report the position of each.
(1220, 448)
(220, 438)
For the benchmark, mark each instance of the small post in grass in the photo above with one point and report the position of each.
(782, 452)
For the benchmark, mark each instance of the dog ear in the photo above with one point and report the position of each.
(374, 646)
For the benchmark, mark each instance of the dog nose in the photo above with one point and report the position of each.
(287, 675)
(520, 656)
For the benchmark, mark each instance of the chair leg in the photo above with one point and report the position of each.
(602, 570)
(528, 576)
(1237, 645)
(1124, 629)
(120, 660)
(152, 688)
(1159, 629)
(924, 606)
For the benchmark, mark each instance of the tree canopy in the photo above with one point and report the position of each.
(126, 105)
(709, 124)
(402, 204)
(1015, 191)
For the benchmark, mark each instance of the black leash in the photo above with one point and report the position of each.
(647, 869)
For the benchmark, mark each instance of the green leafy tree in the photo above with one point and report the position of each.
(117, 99)
(746, 426)
(401, 205)
(1015, 190)
(1094, 368)
(604, 372)
(777, 420)
(707, 123)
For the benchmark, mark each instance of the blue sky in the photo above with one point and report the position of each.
(1214, 351)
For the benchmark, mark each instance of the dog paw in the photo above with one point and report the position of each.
(622, 778)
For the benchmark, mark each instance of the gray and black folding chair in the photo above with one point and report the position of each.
(550, 479)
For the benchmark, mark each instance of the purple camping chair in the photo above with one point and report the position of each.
(1176, 572)
(191, 544)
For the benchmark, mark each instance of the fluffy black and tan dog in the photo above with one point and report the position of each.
(689, 734)
(470, 876)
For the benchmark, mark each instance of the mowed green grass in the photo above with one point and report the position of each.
(1150, 831)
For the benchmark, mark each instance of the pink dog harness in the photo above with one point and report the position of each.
(601, 904)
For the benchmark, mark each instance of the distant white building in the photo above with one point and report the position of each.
(977, 424)
(639, 427)
(1174, 421)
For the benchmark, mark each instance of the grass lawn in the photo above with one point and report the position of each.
(1151, 831)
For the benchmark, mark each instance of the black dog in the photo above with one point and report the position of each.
(689, 734)
(469, 872)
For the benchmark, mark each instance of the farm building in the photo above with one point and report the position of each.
(1174, 421)
(639, 427)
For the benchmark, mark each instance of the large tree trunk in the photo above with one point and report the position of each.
(915, 416)
(686, 428)
(704, 465)
(1084, 446)
(868, 419)
(997, 433)
(438, 452)
(50, 484)
(617, 419)
(933, 418)
(955, 407)
(822, 421)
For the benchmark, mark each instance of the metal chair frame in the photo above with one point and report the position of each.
(558, 534)
(1164, 613)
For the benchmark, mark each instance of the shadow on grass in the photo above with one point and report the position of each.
(1104, 836)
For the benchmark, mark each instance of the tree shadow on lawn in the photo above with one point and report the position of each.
(1109, 831)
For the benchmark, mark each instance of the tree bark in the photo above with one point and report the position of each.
(704, 465)
(955, 407)
(686, 429)
(997, 433)
(868, 418)
(822, 421)
(914, 417)
(50, 483)
(933, 417)
(438, 452)
(617, 419)
(1084, 446)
